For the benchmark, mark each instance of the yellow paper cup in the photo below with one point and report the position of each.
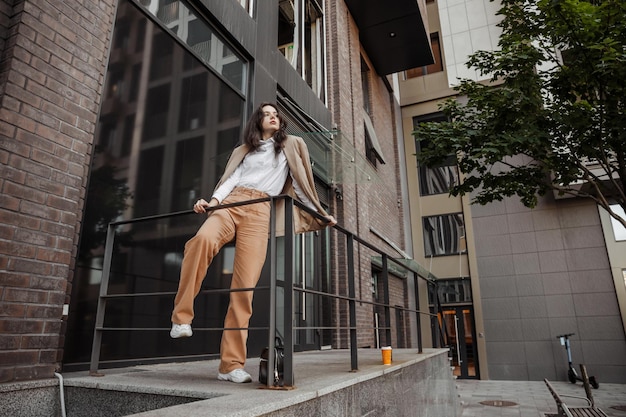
(386, 355)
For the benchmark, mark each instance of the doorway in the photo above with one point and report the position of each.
(306, 308)
(461, 338)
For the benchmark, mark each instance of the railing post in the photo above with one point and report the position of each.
(104, 289)
(351, 303)
(271, 343)
(386, 299)
(418, 317)
(437, 325)
(289, 276)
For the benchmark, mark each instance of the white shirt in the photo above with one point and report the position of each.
(262, 170)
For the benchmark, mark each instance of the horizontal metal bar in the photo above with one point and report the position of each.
(199, 329)
(146, 360)
(337, 328)
(156, 294)
(185, 212)
(361, 301)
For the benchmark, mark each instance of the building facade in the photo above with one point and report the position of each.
(128, 109)
(512, 279)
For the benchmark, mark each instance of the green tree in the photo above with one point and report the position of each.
(552, 116)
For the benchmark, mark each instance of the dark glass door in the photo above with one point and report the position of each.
(308, 273)
(459, 322)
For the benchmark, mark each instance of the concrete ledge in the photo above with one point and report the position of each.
(324, 386)
(31, 398)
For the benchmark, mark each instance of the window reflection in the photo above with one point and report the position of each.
(619, 231)
(191, 29)
(454, 291)
(436, 66)
(442, 234)
(157, 109)
(248, 5)
(193, 103)
(435, 179)
(162, 50)
(301, 40)
(187, 166)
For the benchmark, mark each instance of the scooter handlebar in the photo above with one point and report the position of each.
(565, 335)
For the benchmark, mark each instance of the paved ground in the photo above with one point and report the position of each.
(532, 398)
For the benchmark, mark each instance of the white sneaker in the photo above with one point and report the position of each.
(238, 376)
(180, 330)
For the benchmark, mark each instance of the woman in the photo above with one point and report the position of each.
(269, 163)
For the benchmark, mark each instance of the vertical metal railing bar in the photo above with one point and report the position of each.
(386, 300)
(418, 317)
(354, 362)
(290, 275)
(104, 289)
(445, 335)
(437, 308)
(273, 273)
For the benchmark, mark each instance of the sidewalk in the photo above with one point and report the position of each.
(532, 398)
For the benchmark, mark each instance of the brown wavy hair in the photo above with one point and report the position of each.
(253, 133)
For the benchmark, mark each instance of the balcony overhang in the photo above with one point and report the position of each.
(393, 33)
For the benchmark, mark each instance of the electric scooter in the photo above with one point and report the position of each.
(572, 375)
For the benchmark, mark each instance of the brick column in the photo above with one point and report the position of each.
(52, 70)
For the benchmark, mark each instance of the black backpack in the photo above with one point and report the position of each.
(279, 357)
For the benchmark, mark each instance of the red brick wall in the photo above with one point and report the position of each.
(51, 76)
(364, 205)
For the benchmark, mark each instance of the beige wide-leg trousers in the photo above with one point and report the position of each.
(250, 225)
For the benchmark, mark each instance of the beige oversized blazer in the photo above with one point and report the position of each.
(297, 155)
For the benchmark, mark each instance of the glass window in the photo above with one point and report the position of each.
(115, 83)
(365, 85)
(248, 5)
(191, 29)
(375, 284)
(454, 291)
(193, 102)
(437, 66)
(437, 179)
(313, 47)
(370, 151)
(167, 125)
(301, 40)
(287, 31)
(443, 234)
(157, 109)
(149, 181)
(161, 56)
(619, 231)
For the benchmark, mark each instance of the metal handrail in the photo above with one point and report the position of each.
(287, 283)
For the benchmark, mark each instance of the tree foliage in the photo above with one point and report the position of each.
(553, 116)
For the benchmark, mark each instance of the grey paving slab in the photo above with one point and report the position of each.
(532, 398)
